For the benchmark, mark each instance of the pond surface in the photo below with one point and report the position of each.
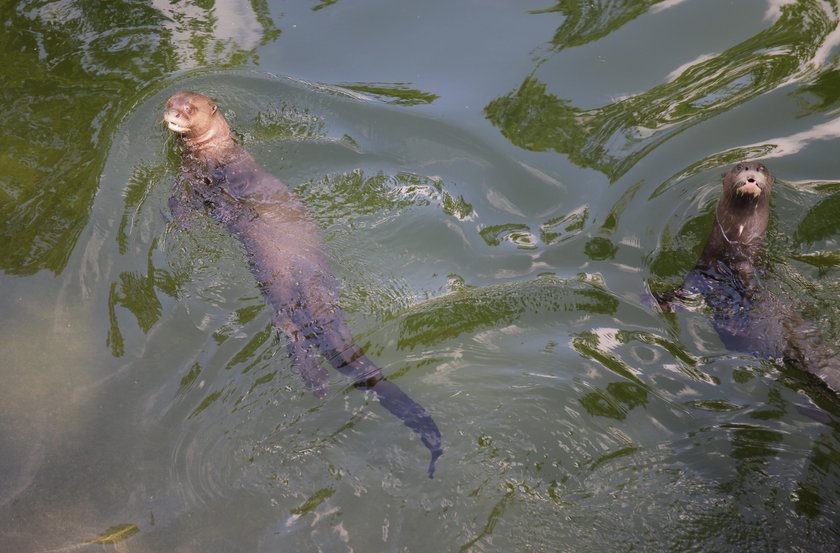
(499, 186)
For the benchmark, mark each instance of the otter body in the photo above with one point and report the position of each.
(285, 254)
(747, 316)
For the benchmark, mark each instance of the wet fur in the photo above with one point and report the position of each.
(285, 254)
(747, 317)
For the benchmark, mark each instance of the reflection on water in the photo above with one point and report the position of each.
(495, 272)
(224, 32)
(587, 22)
(395, 93)
(71, 71)
(612, 138)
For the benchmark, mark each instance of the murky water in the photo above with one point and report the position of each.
(498, 185)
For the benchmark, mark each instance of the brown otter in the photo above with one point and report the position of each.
(285, 254)
(747, 316)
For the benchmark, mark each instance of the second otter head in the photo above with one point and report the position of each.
(195, 117)
(748, 180)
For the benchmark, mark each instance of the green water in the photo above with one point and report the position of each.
(499, 185)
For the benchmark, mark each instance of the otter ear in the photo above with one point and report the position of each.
(213, 108)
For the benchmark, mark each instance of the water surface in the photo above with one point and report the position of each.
(499, 186)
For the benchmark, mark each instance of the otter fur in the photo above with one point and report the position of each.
(747, 316)
(285, 253)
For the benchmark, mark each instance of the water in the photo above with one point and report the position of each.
(498, 185)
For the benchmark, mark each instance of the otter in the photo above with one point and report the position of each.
(747, 316)
(285, 254)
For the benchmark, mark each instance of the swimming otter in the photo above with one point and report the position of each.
(285, 255)
(747, 316)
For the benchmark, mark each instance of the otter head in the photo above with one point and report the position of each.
(741, 219)
(196, 118)
(749, 180)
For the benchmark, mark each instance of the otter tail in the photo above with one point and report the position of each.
(367, 376)
(413, 415)
(336, 345)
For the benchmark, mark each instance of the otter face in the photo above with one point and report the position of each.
(749, 179)
(189, 114)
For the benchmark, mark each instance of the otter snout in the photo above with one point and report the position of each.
(748, 179)
(174, 121)
(751, 184)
